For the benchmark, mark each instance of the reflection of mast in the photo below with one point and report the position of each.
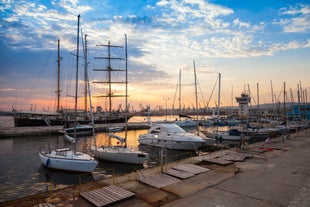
(109, 70)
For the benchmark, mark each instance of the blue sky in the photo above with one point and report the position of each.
(248, 42)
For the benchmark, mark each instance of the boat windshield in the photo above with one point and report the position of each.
(174, 129)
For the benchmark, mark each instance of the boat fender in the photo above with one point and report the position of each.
(47, 162)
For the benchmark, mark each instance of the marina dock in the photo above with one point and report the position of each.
(274, 175)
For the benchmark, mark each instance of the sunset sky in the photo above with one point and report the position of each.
(248, 42)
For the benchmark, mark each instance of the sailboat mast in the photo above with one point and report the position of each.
(85, 74)
(109, 78)
(126, 86)
(196, 96)
(219, 97)
(88, 91)
(58, 77)
(76, 75)
(180, 110)
(257, 90)
(272, 98)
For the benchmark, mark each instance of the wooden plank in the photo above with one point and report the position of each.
(106, 195)
(191, 168)
(254, 150)
(233, 157)
(179, 174)
(159, 180)
(218, 161)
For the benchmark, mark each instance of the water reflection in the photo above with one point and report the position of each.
(21, 172)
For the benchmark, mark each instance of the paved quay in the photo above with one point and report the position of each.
(272, 175)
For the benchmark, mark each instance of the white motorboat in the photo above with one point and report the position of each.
(69, 160)
(171, 136)
(120, 154)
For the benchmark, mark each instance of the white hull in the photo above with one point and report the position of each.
(224, 136)
(65, 159)
(120, 154)
(171, 144)
(171, 136)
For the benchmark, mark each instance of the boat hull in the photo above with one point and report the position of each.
(75, 165)
(120, 154)
(171, 144)
(171, 136)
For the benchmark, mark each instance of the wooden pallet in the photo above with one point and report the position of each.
(191, 168)
(179, 174)
(107, 195)
(218, 161)
(159, 180)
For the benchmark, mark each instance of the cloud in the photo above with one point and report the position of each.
(296, 19)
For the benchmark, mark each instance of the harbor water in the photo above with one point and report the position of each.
(21, 172)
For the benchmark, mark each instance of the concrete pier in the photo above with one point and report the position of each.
(273, 175)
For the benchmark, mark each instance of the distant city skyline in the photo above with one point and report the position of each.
(248, 42)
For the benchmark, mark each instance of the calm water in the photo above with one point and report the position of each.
(21, 172)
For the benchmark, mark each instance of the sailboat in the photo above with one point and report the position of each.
(119, 153)
(66, 158)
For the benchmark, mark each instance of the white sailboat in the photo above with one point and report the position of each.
(65, 158)
(122, 153)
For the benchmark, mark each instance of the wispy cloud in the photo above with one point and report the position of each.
(299, 20)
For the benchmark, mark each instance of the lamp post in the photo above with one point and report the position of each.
(166, 101)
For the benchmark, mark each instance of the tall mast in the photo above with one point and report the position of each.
(109, 70)
(76, 74)
(58, 77)
(196, 96)
(126, 85)
(257, 89)
(180, 110)
(219, 97)
(85, 73)
(88, 90)
(272, 98)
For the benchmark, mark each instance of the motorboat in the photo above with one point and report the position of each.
(68, 160)
(171, 136)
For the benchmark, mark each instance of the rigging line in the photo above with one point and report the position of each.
(40, 75)
(175, 94)
(203, 99)
(212, 91)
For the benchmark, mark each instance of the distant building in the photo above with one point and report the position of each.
(243, 102)
(299, 111)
